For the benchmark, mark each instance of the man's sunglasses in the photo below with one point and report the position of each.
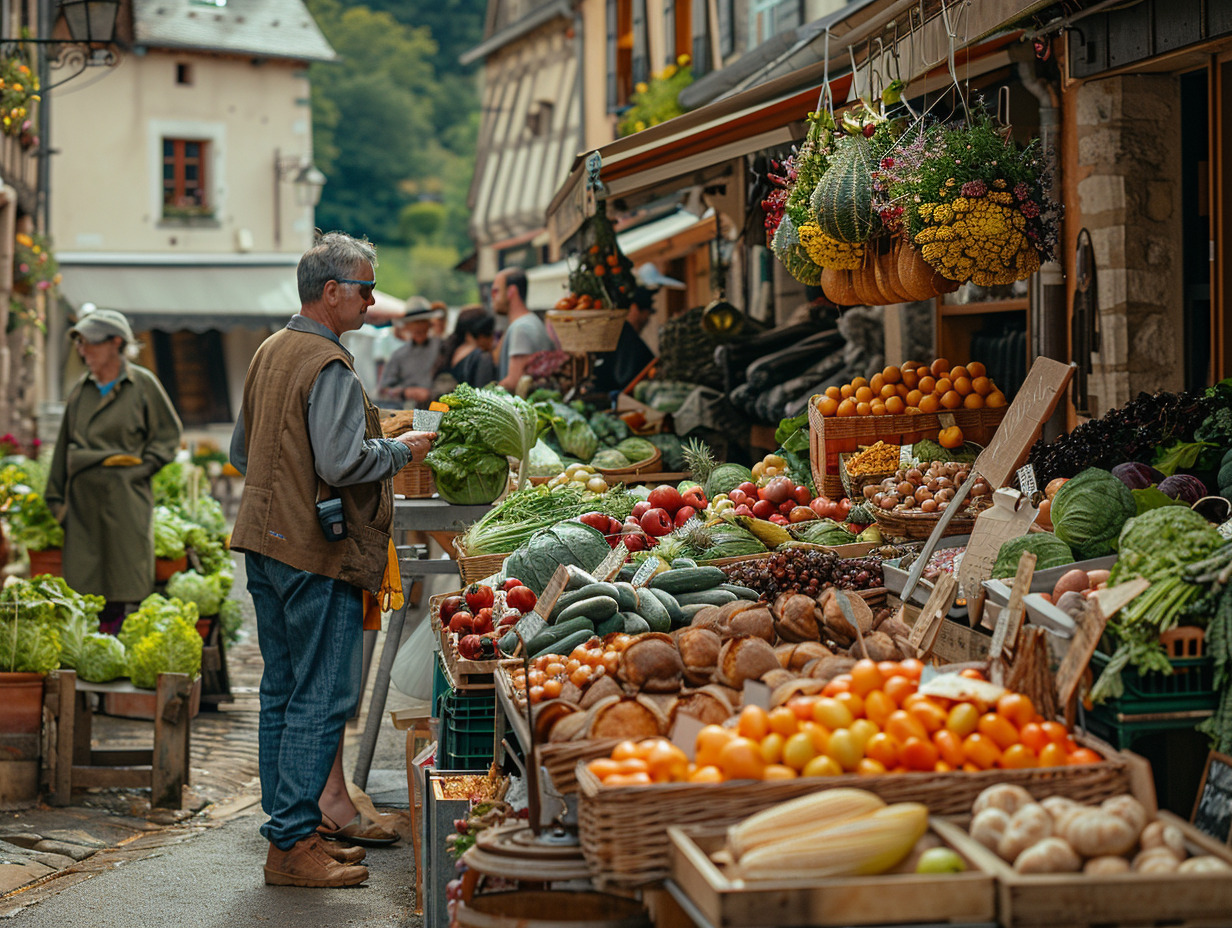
(365, 286)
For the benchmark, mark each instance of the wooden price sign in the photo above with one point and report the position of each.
(1009, 622)
(1033, 405)
(612, 563)
(1088, 628)
(1011, 516)
(1212, 813)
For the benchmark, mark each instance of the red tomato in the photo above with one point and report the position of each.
(479, 597)
(510, 584)
(695, 497)
(521, 598)
(801, 495)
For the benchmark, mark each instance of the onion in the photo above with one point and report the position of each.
(778, 490)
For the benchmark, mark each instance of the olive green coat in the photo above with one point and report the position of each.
(108, 512)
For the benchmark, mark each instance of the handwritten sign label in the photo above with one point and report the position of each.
(612, 563)
(1026, 480)
(547, 602)
(1212, 812)
(529, 626)
(684, 733)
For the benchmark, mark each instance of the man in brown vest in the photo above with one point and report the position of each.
(308, 434)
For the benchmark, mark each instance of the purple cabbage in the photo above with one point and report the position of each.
(1137, 476)
(1183, 487)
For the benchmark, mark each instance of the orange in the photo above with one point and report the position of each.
(963, 719)
(822, 766)
(883, 748)
(642, 778)
(878, 706)
(834, 393)
(1019, 757)
(895, 406)
(846, 391)
(910, 378)
(944, 386)
(995, 400)
(957, 371)
(754, 722)
(707, 774)
(1016, 707)
(923, 371)
(928, 403)
(919, 754)
(927, 384)
(1084, 756)
(633, 765)
(981, 385)
(1052, 755)
(902, 389)
(799, 750)
(939, 367)
(887, 668)
(819, 733)
(783, 721)
(1032, 735)
(899, 688)
(981, 751)
(603, 767)
(778, 772)
(888, 391)
(864, 395)
(951, 437)
(858, 382)
(903, 725)
(976, 369)
(912, 667)
(876, 382)
(710, 741)
(999, 729)
(839, 684)
(950, 747)
(625, 750)
(846, 408)
(827, 406)
(772, 748)
(929, 714)
(865, 677)
(831, 713)
(973, 401)
(877, 408)
(951, 400)
(892, 374)
(913, 398)
(667, 763)
(741, 759)
(867, 767)
(962, 385)
(854, 703)
(910, 365)
(864, 409)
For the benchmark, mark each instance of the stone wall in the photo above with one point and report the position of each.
(1129, 197)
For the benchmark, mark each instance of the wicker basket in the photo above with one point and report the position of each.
(640, 467)
(830, 436)
(561, 759)
(476, 567)
(623, 830)
(854, 486)
(920, 525)
(583, 330)
(414, 481)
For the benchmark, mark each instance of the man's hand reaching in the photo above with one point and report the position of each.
(418, 442)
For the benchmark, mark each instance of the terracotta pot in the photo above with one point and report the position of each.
(21, 694)
(165, 568)
(50, 561)
(4, 544)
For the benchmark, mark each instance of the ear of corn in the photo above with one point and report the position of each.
(803, 816)
(870, 844)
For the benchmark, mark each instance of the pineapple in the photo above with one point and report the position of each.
(699, 460)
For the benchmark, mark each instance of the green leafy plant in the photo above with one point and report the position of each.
(26, 511)
(658, 100)
(19, 91)
(34, 265)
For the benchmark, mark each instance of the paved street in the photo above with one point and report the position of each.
(109, 860)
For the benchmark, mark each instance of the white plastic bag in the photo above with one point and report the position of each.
(412, 669)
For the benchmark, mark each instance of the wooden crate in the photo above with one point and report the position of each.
(830, 436)
(463, 674)
(1131, 899)
(623, 829)
(893, 898)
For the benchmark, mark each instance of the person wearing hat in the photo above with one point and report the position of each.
(119, 429)
(407, 376)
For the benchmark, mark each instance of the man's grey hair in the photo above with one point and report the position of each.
(332, 255)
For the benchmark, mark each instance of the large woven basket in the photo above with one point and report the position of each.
(414, 481)
(921, 524)
(645, 466)
(830, 436)
(623, 830)
(561, 759)
(583, 330)
(476, 567)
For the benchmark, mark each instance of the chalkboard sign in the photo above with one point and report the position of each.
(1212, 812)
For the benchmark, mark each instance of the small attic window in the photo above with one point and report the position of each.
(207, 2)
(183, 74)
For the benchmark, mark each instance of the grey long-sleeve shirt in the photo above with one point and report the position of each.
(343, 456)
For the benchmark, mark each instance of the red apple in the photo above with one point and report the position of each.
(462, 623)
(743, 510)
(656, 522)
(596, 520)
(510, 584)
(779, 519)
(763, 508)
(748, 488)
(684, 514)
(640, 508)
(665, 497)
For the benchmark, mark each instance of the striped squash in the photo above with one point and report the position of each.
(843, 199)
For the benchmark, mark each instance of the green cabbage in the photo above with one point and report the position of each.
(610, 459)
(491, 421)
(566, 542)
(175, 648)
(28, 646)
(207, 592)
(155, 613)
(636, 449)
(1049, 551)
(72, 635)
(543, 461)
(467, 475)
(231, 619)
(102, 658)
(1089, 512)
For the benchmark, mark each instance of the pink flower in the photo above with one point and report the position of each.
(44, 284)
(24, 268)
(887, 162)
(974, 188)
(1021, 191)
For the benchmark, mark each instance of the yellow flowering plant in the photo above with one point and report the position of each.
(19, 91)
(34, 265)
(26, 511)
(658, 100)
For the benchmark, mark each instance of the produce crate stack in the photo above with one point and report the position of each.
(468, 728)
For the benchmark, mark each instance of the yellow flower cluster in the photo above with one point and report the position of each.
(977, 238)
(825, 251)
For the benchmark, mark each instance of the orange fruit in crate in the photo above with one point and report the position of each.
(901, 389)
(888, 390)
(940, 367)
(951, 399)
(778, 772)
(982, 385)
(951, 437)
(1053, 755)
(927, 384)
(976, 369)
(864, 394)
(783, 721)
(995, 400)
(878, 407)
(864, 409)
(929, 403)
(834, 393)
(895, 406)
(858, 382)
(876, 382)
(710, 741)
(981, 751)
(999, 729)
(910, 378)
(892, 374)
(958, 371)
(962, 385)
(753, 722)
(973, 401)
(772, 748)
(913, 399)
(827, 406)
(1019, 757)
(846, 408)
(741, 759)
(846, 391)
(707, 774)
(944, 386)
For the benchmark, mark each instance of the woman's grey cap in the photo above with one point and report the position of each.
(101, 324)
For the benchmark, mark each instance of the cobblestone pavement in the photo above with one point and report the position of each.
(45, 850)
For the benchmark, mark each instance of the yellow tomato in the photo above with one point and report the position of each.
(845, 749)
(831, 713)
(799, 750)
(963, 719)
(822, 766)
(772, 748)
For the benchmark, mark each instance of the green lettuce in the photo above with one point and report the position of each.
(175, 648)
(155, 613)
(206, 592)
(28, 646)
(101, 658)
(495, 422)
(467, 475)
(169, 530)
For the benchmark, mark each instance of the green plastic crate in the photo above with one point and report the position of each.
(468, 724)
(1189, 688)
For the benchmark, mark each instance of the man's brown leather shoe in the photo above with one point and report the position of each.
(344, 855)
(308, 863)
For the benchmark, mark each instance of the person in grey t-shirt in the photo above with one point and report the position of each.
(525, 334)
(407, 376)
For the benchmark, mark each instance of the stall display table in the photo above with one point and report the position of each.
(163, 768)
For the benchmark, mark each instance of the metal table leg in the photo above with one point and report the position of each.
(380, 691)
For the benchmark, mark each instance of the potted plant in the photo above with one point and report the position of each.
(34, 265)
(33, 525)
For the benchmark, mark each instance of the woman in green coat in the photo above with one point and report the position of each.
(119, 429)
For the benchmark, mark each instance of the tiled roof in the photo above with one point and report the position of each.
(263, 28)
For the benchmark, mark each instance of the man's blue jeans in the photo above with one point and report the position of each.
(311, 637)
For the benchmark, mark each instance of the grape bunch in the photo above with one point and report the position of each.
(807, 571)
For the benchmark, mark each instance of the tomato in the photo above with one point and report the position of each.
(510, 584)
(449, 606)
(999, 729)
(695, 497)
(801, 495)
(479, 597)
(1019, 757)
(1084, 756)
(613, 261)
(521, 598)
(1017, 708)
